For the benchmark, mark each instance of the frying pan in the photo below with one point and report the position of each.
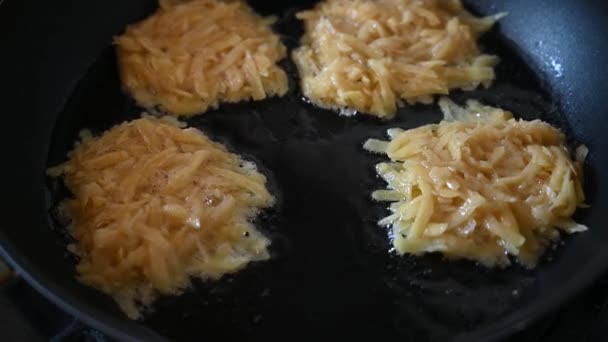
(331, 273)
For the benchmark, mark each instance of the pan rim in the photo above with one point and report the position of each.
(66, 302)
(504, 327)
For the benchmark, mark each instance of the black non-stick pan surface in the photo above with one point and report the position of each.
(331, 274)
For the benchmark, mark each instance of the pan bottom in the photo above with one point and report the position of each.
(331, 271)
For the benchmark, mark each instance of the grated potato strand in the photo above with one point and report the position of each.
(479, 185)
(191, 55)
(369, 55)
(154, 205)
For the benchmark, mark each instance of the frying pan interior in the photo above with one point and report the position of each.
(331, 272)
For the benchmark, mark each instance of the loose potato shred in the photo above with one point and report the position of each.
(479, 185)
(369, 55)
(191, 55)
(154, 205)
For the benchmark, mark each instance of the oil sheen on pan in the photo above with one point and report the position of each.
(329, 269)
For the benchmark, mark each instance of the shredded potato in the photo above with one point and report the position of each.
(155, 204)
(191, 55)
(368, 55)
(479, 185)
